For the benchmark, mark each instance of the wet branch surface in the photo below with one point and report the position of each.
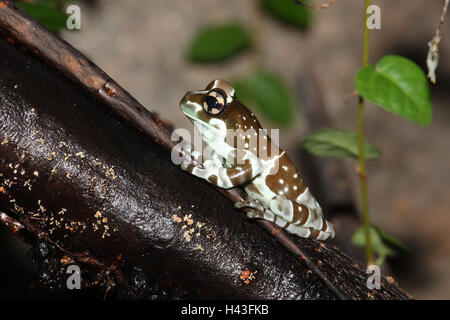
(80, 182)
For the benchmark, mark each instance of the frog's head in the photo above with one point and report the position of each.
(216, 109)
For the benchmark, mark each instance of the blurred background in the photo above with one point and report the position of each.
(154, 50)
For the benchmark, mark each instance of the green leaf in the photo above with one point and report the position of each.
(217, 43)
(266, 90)
(244, 92)
(398, 85)
(383, 244)
(49, 15)
(338, 143)
(49, 3)
(393, 243)
(288, 12)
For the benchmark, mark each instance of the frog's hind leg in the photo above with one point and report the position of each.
(301, 216)
(266, 214)
(308, 232)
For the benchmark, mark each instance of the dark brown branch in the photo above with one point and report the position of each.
(75, 66)
(19, 29)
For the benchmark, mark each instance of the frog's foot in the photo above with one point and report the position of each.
(187, 165)
(241, 204)
(257, 210)
(252, 213)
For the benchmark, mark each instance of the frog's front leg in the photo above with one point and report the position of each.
(214, 171)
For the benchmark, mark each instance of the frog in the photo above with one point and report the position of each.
(274, 187)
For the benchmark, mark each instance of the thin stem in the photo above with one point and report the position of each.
(441, 21)
(363, 183)
(365, 55)
(362, 159)
(257, 34)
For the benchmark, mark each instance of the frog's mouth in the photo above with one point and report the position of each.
(192, 114)
(203, 127)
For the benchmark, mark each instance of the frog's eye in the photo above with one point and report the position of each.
(214, 103)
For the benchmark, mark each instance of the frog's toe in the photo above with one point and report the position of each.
(186, 165)
(239, 204)
(252, 214)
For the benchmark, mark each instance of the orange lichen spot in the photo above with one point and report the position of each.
(276, 230)
(66, 260)
(80, 155)
(199, 247)
(390, 280)
(119, 257)
(188, 234)
(245, 274)
(2, 5)
(200, 225)
(2, 190)
(105, 220)
(176, 219)
(188, 219)
(110, 90)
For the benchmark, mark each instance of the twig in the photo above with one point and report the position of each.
(13, 225)
(442, 20)
(433, 52)
(362, 159)
(60, 55)
(315, 7)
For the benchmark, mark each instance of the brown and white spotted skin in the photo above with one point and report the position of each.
(244, 155)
